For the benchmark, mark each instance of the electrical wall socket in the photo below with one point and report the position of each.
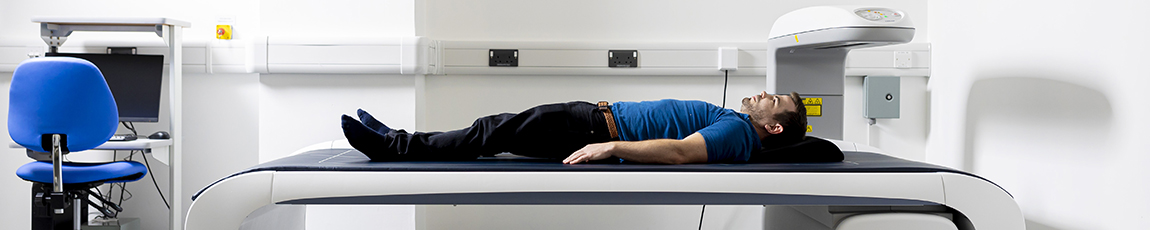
(623, 58)
(503, 57)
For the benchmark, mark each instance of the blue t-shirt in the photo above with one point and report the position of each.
(729, 135)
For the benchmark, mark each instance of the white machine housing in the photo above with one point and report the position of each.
(828, 17)
(809, 48)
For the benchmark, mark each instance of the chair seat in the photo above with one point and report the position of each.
(84, 173)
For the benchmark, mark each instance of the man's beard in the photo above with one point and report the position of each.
(747, 105)
(755, 114)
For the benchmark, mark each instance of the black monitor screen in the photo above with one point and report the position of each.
(135, 81)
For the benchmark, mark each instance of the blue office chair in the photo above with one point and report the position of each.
(60, 105)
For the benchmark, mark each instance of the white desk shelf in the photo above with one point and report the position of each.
(138, 144)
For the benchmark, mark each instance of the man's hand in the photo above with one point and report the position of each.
(590, 152)
(692, 149)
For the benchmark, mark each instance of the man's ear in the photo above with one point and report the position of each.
(774, 129)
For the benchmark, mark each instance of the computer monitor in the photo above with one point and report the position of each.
(135, 81)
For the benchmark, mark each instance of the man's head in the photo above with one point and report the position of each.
(782, 117)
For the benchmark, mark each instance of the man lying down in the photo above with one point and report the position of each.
(659, 132)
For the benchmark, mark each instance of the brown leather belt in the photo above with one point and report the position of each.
(606, 108)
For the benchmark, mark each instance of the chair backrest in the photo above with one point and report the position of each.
(60, 95)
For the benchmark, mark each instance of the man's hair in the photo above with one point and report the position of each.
(794, 125)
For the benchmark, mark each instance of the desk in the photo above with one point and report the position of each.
(139, 144)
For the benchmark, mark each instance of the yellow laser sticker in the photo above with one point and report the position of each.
(224, 32)
(814, 106)
(796, 38)
(809, 129)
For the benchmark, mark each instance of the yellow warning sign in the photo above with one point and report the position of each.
(814, 106)
(809, 129)
(813, 110)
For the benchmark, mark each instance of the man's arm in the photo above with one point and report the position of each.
(692, 149)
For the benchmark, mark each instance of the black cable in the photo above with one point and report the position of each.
(123, 188)
(153, 175)
(107, 209)
(101, 194)
(110, 185)
(104, 203)
(725, 78)
(701, 216)
(130, 126)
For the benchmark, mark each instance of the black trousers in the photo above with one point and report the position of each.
(546, 131)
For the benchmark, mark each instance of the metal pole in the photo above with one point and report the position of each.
(57, 156)
(57, 196)
(76, 213)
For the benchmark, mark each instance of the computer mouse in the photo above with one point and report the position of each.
(159, 135)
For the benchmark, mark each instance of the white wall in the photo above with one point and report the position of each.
(16, 194)
(1045, 99)
(632, 20)
(338, 18)
(297, 110)
(904, 137)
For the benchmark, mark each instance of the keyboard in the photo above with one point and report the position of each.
(123, 137)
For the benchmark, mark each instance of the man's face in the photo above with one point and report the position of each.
(764, 106)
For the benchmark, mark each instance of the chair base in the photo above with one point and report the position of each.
(42, 216)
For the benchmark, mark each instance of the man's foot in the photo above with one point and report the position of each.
(366, 140)
(372, 123)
